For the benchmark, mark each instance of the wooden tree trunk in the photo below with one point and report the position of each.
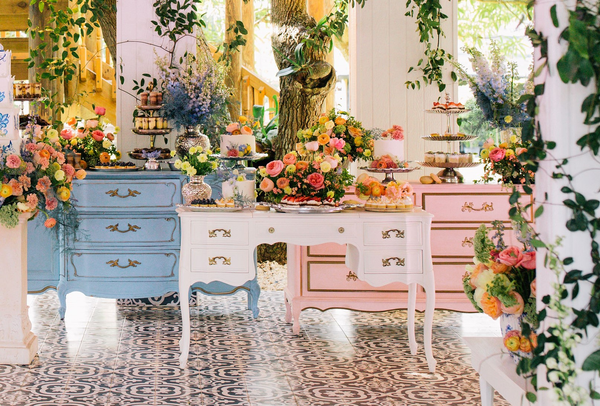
(248, 20)
(108, 23)
(302, 95)
(233, 13)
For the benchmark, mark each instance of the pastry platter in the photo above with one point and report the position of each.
(449, 137)
(210, 209)
(284, 208)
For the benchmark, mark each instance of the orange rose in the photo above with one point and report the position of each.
(44, 153)
(512, 340)
(300, 148)
(323, 139)
(355, 132)
(533, 339)
(72, 121)
(497, 267)
(63, 194)
(289, 159)
(301, 165)
(323, 119)
(491, 306)
(340, 121)
(525, 344)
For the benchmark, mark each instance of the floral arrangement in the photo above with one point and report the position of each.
(93, 139)
(197, 162)
(369, 187)
(318, 176)
(502, 281)
(495, 88)
(37, 181)
(243, 126)
(504, 160)
(194, 94)
(337, 133)
(388, 162)
(394, 133)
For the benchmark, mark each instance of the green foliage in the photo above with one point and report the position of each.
(482, 244)
(470, 291)
(176, 19)
(9, 216)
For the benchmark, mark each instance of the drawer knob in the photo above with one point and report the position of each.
(341, 230)
(213, 260)
(213, 233)
(467, 242)
(386, 234)
(132, 263)
(115, 193)
(271, 230)
(387, 261)
(484, 207)
(115, 228)
(351, 277)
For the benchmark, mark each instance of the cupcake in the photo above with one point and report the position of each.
(440, 157)
(453, 158)
(430, 157)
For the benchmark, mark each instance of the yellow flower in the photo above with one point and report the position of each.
(178, 164)
(287, 190)
(118, 155)
(185, 166)
(513, 138)
(325, 166)
(63, 194)
(510, 152)
(117, 129)
(59, 175)
(56, 166)
(330, 194)
(508, 119)
(290, 169)
(173, 153)
(329, 125)
(203, 158)
(191, 171)
(74, 141)
(263, 171)
(240, 178)
(358, 141)
(214, 164)
(485, 153)
(323, 119)
(106, 144)
(209, 152)
(193, 150)
(503, 145)
(367, 152)
(242, 119)
(52, 134)
(5, 191)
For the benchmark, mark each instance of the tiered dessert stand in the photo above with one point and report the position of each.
(152, 133)
(389, 172)
(449, 174)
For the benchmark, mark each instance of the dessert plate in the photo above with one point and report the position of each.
(209, 209)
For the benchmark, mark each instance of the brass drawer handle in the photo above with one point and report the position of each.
(213, 233)
(399, 261)
(213, 260)
(115, 193)
(351, 277)
(132, 264)
(484, 207)
(341, 230)
(386, 234)
(467, 242)
(271, 230)
(115, 227)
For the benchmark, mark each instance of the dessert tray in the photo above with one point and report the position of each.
(388, 170)
(449, 165)
(449, 137)
(150, 107)
(284, 208)
(138, 155)
(162, 131)
(451, 111)
(209, 208)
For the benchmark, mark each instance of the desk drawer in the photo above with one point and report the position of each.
(115, 194)
(129, 230)
(218, 233)
(393, 233)
(331, 276)
(387, 261)
(224, 260)
(468, 208)
(309, 229)
(121, 266)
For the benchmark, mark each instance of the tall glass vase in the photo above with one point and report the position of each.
(195, 189)
(191, 138)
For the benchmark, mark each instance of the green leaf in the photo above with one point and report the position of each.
(553, 15)
(592, 362)
(539, 211)
(532, 397)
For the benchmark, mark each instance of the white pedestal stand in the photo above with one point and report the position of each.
(18, 345)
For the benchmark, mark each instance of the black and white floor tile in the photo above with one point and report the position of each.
(109, 354)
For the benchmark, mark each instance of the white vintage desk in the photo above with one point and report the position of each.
(382, 248)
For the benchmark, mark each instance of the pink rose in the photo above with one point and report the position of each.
(81, 134)
(332, 161)
(66, 134)
(13, 161)
(232, 127)
(266, 185)
(511, 256)
(68, 169)
(100, 110)
(337, 143)
(51, 203)
(91, 123)
(488, 143)
(98, 135)
(517, 309)
(312, 146)
(519, 151)
(533, 288)
(497, 154)
(245, 130)
(528, 260)
(233, 152)
(315, 180)
(274, 168)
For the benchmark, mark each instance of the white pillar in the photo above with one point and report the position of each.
(562, 122)
(18, 345)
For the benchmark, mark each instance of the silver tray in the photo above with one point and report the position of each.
(381, 210)
(253, 157)
(448, 111)
(137, 168)
(388, 170)
(209, 209)
(449, 165)
(452, 137)
(307, 209)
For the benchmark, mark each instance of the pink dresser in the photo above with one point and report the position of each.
(458, 211)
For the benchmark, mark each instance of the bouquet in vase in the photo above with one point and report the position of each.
(504, 160)
(197, 162)
(501, 283)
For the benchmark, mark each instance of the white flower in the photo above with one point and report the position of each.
(23, 207)
(59, 175)
(551, 363)
(553, 376)
(178, 164)
(484, 278)
(329, 125)
(106, 144)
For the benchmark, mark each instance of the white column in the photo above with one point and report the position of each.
(138, 45)
(384, 44)
(18, 345)
(562, 122)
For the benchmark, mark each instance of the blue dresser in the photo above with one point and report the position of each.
(128, 245)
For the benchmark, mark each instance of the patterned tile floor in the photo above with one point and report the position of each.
(108, 354)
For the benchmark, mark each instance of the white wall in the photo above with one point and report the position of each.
(136, 55)
(384, 44)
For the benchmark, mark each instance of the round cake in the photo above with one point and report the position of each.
(246, 188)
(237, 145)
(394, 148)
